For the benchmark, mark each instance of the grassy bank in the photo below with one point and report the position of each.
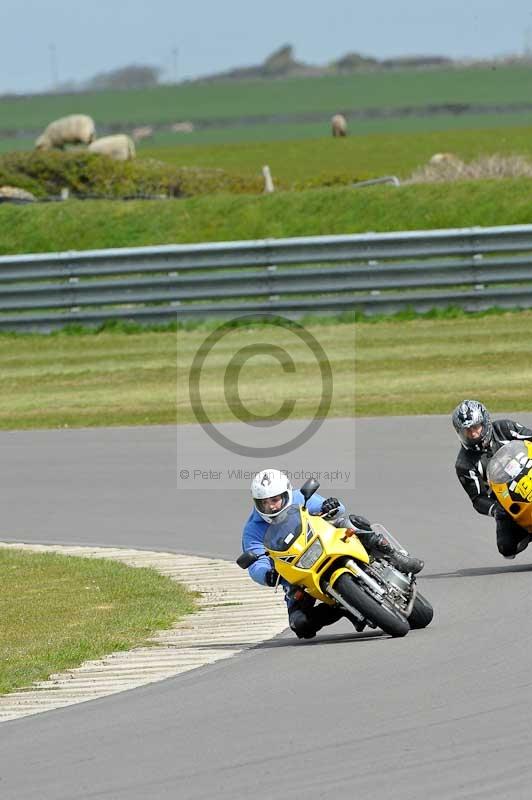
(81, 225)
(59, 611)
(387, 367)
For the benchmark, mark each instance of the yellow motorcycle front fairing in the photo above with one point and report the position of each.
(510, 478)
(307, 547)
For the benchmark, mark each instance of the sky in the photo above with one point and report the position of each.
(56, 41)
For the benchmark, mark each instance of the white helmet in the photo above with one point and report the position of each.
(270, 483)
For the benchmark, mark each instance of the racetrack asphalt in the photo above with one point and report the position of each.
(442, 713)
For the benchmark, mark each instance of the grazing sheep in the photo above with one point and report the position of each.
(74, 129)
(120, 147)
(182, 127)
(339, 125)
(443, 158)
(145, 132)
(14, 193)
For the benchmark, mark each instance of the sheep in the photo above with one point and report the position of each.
(74, 129)
(339, 125)
(14, 193)
(145, 132)
(443, 158)
(182, 127)
(120, 147)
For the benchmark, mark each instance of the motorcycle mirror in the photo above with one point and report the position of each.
(308, 488)
(246, 559)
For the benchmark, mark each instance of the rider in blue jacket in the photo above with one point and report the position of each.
(272, 493)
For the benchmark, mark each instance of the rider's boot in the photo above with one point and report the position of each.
(378, 545)
(521, 545)
(323, 614)
(404, 562)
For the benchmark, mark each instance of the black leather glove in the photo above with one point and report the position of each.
(329, 508)
(270, 578)
(360, 522)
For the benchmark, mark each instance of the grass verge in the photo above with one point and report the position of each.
(58, 611)
(82, 225)
(388, 366)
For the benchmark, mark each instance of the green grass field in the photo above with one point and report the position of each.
(233, 99)
(368, 155)
(59, 611)
(177, 148)
(422, 366)
(282, 132)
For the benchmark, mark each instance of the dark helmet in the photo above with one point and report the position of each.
(473, 425)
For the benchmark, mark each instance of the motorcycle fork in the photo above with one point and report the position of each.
(348, 607)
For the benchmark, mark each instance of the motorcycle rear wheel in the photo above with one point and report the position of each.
(421, 614)
(385, 617)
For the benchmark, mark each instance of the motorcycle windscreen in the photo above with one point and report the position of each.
(508, 462)
(283, 532)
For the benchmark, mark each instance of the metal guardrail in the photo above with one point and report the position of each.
(473, 268)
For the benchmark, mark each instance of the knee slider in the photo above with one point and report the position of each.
(301, 625)
(507, 548)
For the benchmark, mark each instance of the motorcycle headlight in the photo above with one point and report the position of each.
(311, 555)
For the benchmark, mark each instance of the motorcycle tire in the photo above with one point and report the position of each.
(385, 617)
(421, 614)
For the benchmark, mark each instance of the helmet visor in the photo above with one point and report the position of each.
(271, 505)
(474, 433)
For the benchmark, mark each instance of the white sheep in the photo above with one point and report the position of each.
(443, 158)
(120, 146)
(182, 127)
(144, 132)
(14, 193)
(74, 129)
(339, 125)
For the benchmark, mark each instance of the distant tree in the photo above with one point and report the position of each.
(280, 61)
(353, 61)
(134, 76)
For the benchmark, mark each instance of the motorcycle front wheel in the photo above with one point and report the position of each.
(385, 617)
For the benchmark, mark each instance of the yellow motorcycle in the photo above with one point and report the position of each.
(510, 478)
(332, 565)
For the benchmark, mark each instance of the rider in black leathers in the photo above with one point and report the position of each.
(480, 438)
